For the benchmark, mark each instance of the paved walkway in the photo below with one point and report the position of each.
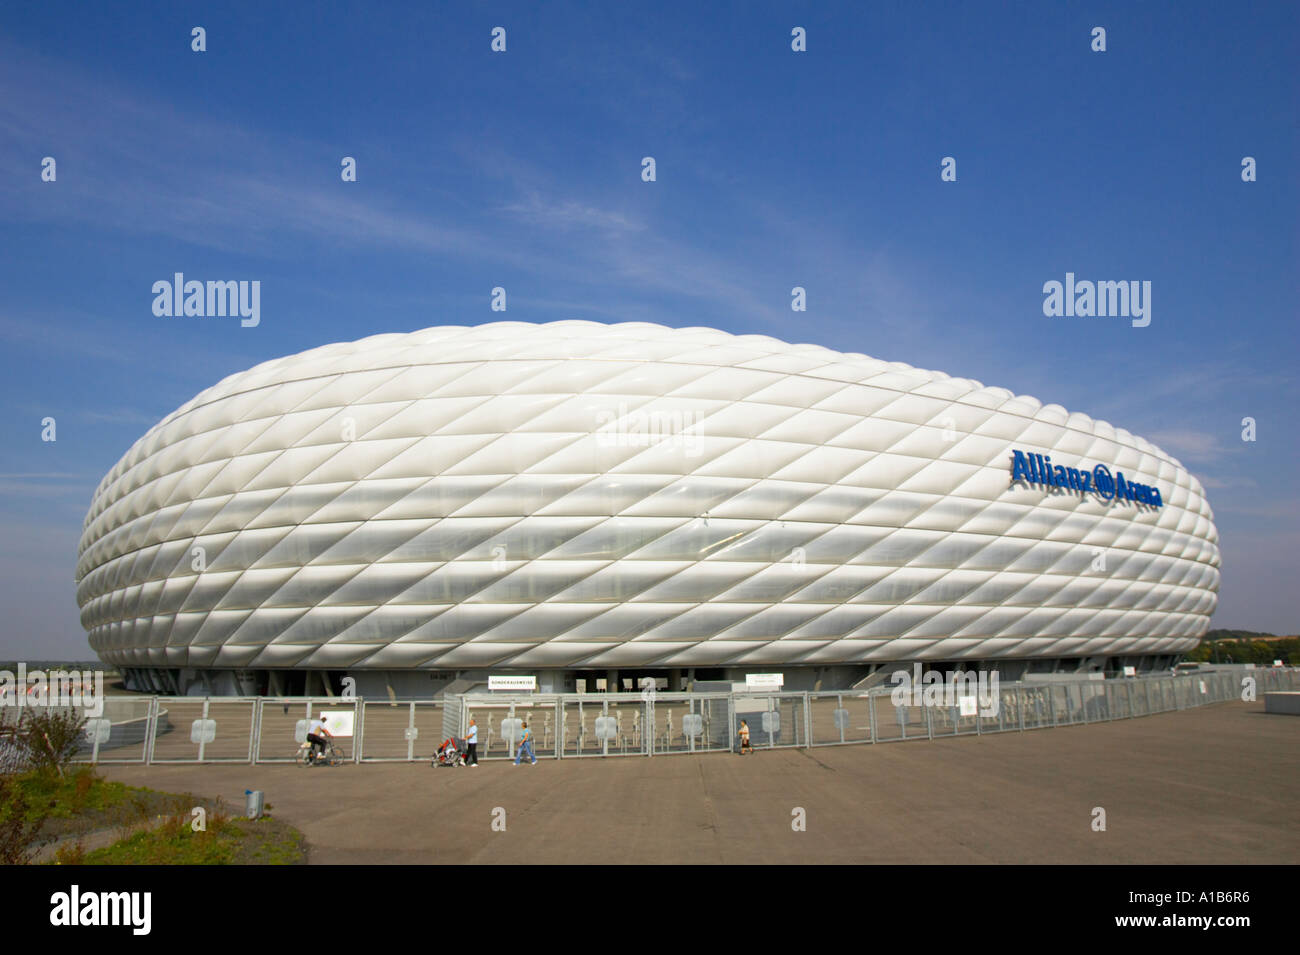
(1210, 785)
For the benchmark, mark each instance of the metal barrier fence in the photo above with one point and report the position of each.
(161, 730)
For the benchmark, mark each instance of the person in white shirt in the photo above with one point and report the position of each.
(471, 744)
(314, 730)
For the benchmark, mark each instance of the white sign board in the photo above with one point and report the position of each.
(969, 706)
(203, 731)
(1130, 671)
(764, 681)
(512, 728)
(338, 722)
(528, 683)
(606, 727)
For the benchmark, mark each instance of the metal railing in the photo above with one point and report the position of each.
(163, 730)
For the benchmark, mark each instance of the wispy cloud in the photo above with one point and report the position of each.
(45, 335)
(1190, 445)
(36, 486)
(120, 416)
(569, 214)
(250, 196)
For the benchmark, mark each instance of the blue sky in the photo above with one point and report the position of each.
(774, 169)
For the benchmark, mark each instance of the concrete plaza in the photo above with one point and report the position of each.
(1216, 784)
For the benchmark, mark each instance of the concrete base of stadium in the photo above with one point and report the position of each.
(1212, 785)
(424, 684)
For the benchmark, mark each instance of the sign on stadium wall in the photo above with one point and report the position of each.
(1038, 469)
(528, 683)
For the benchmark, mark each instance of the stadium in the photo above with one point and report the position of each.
(593, 504)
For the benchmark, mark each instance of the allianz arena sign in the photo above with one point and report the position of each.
(1038, 469)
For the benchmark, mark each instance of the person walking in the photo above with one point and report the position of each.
(471, 744)
(526, 742)
(744, 739)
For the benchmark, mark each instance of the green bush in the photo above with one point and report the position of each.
(20, 823)
(50, 736)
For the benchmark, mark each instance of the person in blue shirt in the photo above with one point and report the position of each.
(526, 742)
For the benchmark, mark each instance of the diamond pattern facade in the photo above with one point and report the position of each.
(584, 495)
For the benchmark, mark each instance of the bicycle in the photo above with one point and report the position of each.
(329, 756)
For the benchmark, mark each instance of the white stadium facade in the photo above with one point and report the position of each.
(582, 502)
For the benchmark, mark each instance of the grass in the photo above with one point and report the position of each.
(61, 797)
(152, 828)
(224, 841)
(80, 801)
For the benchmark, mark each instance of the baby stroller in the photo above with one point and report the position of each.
(450, 753)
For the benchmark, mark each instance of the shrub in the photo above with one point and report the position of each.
(50, 737)
(71, 854)
(82, 784)
(13, 751)
(19, 825)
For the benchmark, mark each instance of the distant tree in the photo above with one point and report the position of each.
(1247, 649)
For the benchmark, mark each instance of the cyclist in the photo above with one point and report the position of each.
(318, 742)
